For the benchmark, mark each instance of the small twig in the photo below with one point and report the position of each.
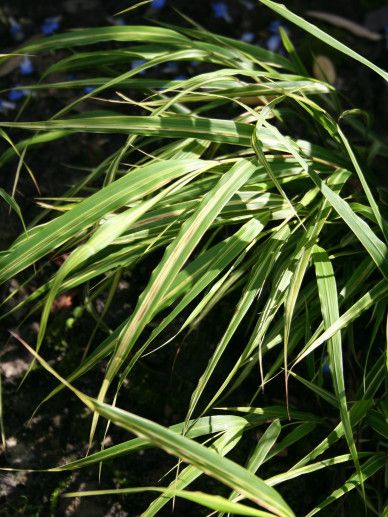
(344, 23)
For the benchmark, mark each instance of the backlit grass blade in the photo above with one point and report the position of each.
(95, 36)
(207, 266)
(158, 60)
(240, 50)
(213, 502)
(194, 279)
(190, 91)
(211, 129)
(101, 238)
(253, 287)
(272, 412)
(302, 261)
(370, 467)
(260, 452)
(320, 392)
(133, 84)
(291, 51)
(374, 246)
(223, 131)
(277, 297)
(378, 292)
(328, 296)
(174, 259)
(13, 204)
(295, 435)
(204, 180)
(375, 209)
(272, 305)
(378, 420)
(313, 467)
(196, 428)
(140, 182)
(183, 282)
(222, 446)
(374, 377)
(208, 461)
(323, 36)
(356, 413)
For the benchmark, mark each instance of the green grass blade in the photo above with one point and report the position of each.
(328, 296)
(357, 412)
(294, 436)
(13, 204)
(140, 182)
(213, 502)
(374, 246)
(308, 469)
(94, 36)
(323, 36)
(199, 274)
(200, 427)
(222, 446)
(260, 452)
(208, 461)
(174, 258)
(369, 468)
(375, 209)
(272, 412)
(252, 289)
(101, 238)
(223, 131)
(377, 293)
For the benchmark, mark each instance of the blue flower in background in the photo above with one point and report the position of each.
(5, 106)
(88, 89)
(15, 29)
(158, 4)
(138, 62)
(221, 10)
(274, 26)
(26, 67)
(248, 37)
(171, 68)
(17, 95)
(180, 78)
(274, 42)
(326, 367)
(50, 25)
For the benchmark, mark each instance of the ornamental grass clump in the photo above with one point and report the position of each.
(240, 185)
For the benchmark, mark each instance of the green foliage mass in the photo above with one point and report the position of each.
(242, 183)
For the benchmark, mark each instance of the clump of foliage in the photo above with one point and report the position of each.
(241, 179)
